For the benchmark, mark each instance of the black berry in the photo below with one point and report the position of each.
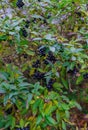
(51, 57)
(50, 84)
(78, 13)
(74, 71)
(85, 76)
(24, 32)
(34, 20)
(20, 3)
(38, 75)
(44, 21)
(8, 111)
(78, 66)
(36, 64)
(42, 51)
(25, 55)
(49, 16)
(27, 128)
(46, 62)
(27, 23)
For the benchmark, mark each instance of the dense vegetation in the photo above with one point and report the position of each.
(43, 64)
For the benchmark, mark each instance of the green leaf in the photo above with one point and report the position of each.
(23, 42)
(37, 16)
(22, 123)
(6, 98)
(48, 108)
(65, 106)
(3, 37)
(49, 37)
(23, 84)
(31, 53)
(10, 121)
(51, 120)
(58, 115)
(38, 120)
(29, 98)
(65, 83)
(41, 108)
(52, 96)
(78, 106)
(64, 125)
(2, 91)
(35, 106)
(37, 39)
(58, 86)
(13, 122)
(67, 114)
(79, 80)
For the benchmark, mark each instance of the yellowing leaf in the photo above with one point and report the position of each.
(75, 28)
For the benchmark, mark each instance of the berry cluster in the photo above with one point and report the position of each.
(20, 3)
(50, 84)
(38, 75)
(46, 61)
(45, 21)
(85, 76)
(46, 56)
(74, 71)
(27, 23)
(24, 32)
(78, 13)
(42, 51)
(51, 57)
(34, 20)
(8, 111)
(36, 64)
